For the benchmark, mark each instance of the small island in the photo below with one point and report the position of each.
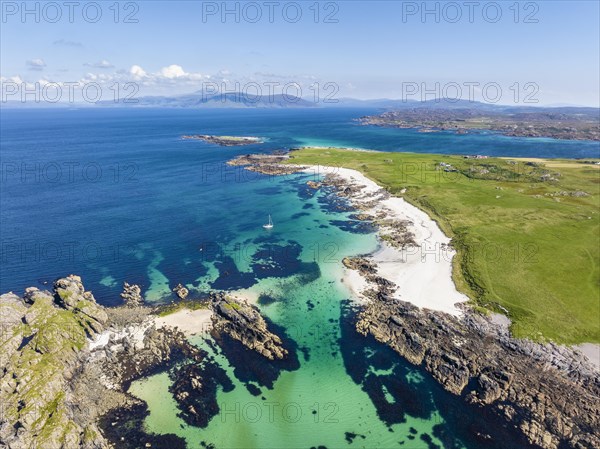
(224, 141)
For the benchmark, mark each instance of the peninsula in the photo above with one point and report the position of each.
(562, 123)
(514, 223)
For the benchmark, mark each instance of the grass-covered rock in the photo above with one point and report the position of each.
(42, 335)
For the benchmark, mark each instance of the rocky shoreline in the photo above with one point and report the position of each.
(266, 164)
(67, 363)
(546, 392)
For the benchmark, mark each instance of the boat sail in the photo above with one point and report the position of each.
(269, 225)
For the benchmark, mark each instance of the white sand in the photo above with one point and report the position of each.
(190, 322)
(591, 351)
(355, 282)
(423, 273)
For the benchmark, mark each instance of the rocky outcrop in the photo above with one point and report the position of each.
(267, 164)
(181, 291)
(224, 141)
(242, 322)
(362, 264)
(42, 342)
(550, 394)
(132, 295)
(67, 363)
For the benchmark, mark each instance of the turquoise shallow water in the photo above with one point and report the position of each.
(117, 196)
(317, 404)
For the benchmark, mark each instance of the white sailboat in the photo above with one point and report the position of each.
(269, 225)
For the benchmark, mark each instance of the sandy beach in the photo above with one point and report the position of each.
(423, 273)
(190, 322)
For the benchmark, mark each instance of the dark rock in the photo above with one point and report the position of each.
(545, 391)
(243, 322)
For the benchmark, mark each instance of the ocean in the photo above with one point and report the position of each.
(116, 195)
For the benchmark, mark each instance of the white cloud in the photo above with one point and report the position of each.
(137, 72)
(35, 64)
(174, 79)
(169, 75)
(13, 79)
(173, 71)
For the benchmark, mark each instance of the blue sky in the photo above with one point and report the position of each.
(371, 49)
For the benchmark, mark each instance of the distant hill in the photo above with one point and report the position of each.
(198, 99)
(227, 100)
(573, 123)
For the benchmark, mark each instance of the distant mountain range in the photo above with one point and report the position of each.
(227, 100)
(198, 100)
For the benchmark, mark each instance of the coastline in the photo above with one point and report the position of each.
(411, 305)
(422, 270)
(423, 273)
(470, 355)
(431, 244)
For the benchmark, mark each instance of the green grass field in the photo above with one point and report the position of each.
(527, 232)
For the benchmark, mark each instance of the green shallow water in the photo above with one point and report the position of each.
(286, 416)
(318, 403)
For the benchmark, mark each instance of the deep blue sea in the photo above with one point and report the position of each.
(117, 195)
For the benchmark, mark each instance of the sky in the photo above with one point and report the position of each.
(506, 52)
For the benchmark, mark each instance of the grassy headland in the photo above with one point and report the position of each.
(526, 231)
